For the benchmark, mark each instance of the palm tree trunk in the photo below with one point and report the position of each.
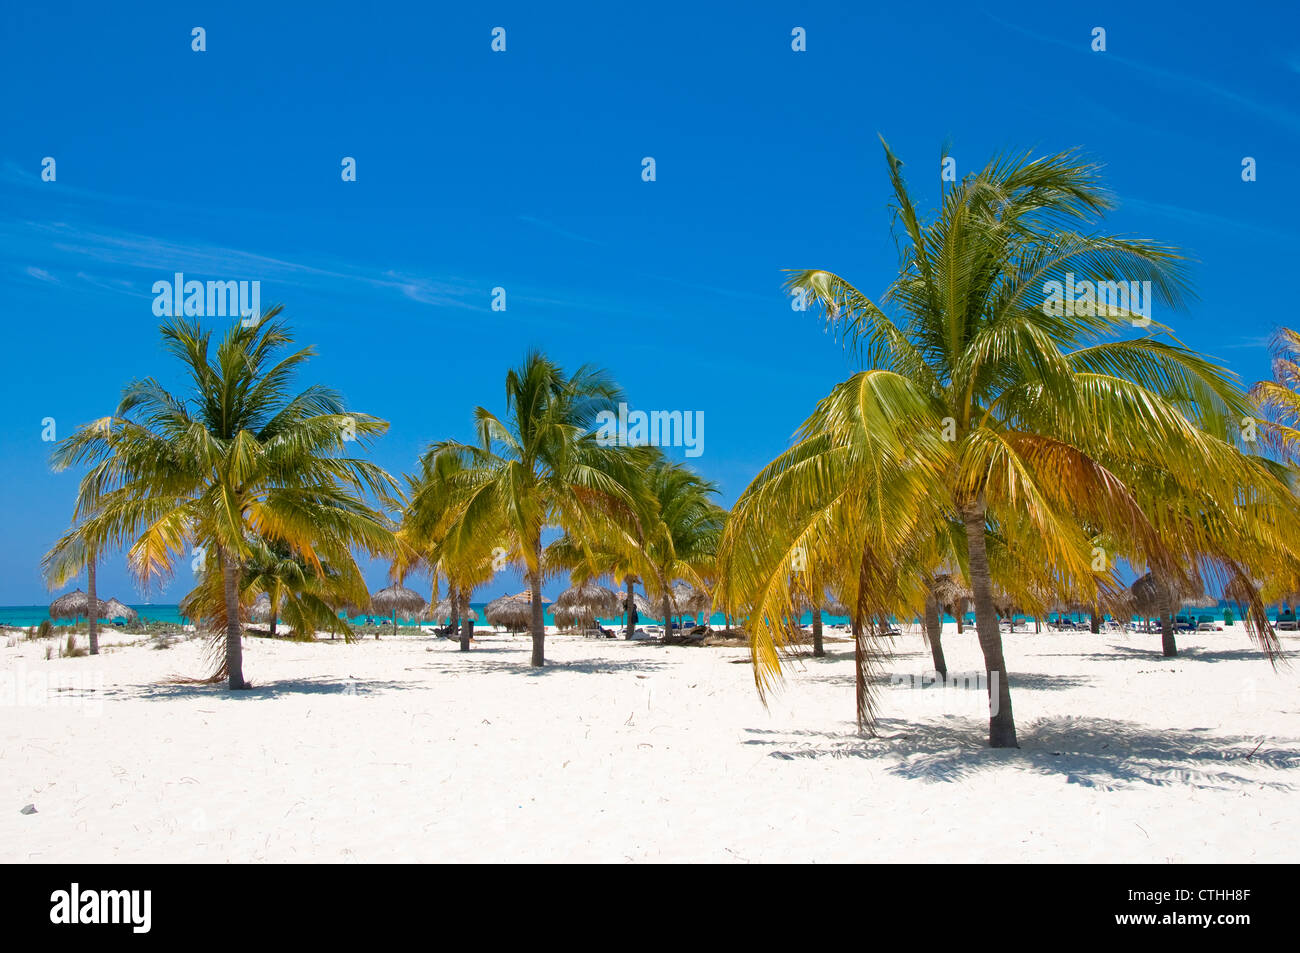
(466, 623)
(1094, 621)
(934, 635)
(453, 596)
(860, 670)
(234, 631)
(1002, 725)
(668, 614)
(275, 607)
(958, 612)
(539, 615)
(1167, 642)
(93, 616)
(630, 605)
(819, 649)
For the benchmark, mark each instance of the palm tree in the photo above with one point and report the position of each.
(77, 557)
(1279, 398)
(429, 526)
(985, 403)
(681, 529)
(542, 466)
(306, 595)
(238, 458)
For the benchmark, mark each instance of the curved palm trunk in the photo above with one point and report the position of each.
(234, 648)
(92, 600)
(668, 614)
(275, 607)
(539, 615)
(934, 635)
(1002, 725)
(1094, 621)
(819, 649)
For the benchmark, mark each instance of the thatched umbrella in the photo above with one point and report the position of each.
(951, 596)
(585, 601)
(513, 612)
(397, 598)
(687, 598)
(833, 606)
(119, 610)
(443, 612)
(75, 604)
(1151, 596)
(643, 605)
(260, 611)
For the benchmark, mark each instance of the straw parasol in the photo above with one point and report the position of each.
(74, 605)
(397, 598)
(829, 604)
(443, 612)
(585, 601)
(119, 610)
(833, 606)
(513, 612)
(643, 605)
(687, 599)
(261, 608)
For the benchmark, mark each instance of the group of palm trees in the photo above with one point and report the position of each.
(987, 437)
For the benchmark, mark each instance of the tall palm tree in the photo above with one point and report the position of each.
(77, 556)
(430, 524)
(239, 457)
(985, 403)
(541, 466)
(682, 529)
(1279, 398)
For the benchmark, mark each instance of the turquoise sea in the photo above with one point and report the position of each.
(33, 615)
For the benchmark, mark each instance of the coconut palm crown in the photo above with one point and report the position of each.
(237, 457)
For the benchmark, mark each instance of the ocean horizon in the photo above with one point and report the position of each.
(25, 616)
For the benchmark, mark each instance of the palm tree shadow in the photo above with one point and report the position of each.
(963, 681)
(1093, 752)
(465, 664)
(1192, 653)
(262, 690)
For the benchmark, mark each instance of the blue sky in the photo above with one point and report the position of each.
(522, 170)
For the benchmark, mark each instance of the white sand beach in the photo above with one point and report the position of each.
(407, 750)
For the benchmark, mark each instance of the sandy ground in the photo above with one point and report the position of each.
(407, 750)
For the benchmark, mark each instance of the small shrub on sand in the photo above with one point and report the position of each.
(70, 650)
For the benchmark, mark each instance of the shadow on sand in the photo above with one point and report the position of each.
(1186, 653)
(262, 690)
(1094, 752)
(465, 663)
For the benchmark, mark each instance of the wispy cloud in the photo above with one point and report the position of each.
(557, 230)
(1256, 341)
(1270, 111)
(158, 258)
(1193, 216)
